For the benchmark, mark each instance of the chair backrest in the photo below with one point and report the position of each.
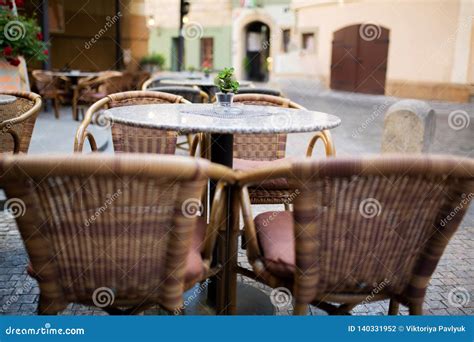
(193, 95)
(114, 224)
(17, 121)
(152, 82)
(263, 91)
(128, 138)
(383, 220)
(270, 146)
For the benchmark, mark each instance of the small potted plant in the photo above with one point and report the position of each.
(228, 86)
(153, 62)
(206, 68)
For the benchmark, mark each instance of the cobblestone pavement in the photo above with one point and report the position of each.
(359, 113)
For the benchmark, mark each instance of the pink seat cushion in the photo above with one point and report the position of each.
(271, 184)
(276, 238)
(194, 263)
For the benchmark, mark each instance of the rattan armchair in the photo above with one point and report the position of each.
(122, 233)
(262, 91)
(253, 151)
(192, 94)
(362, 230)
(127, 138)
(88, 91)
(17, 121)
(51, 87)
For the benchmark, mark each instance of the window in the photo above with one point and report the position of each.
(286, 40)
(308, 43)
(207, 52)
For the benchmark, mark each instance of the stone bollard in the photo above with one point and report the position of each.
(409, 127)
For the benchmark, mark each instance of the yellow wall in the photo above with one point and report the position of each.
(423, 35)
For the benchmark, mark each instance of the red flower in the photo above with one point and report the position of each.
(14, 61)
(46, 52)
(39, 35)
(7, 50)
(20, 3)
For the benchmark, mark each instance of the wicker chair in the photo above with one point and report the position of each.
(362, 229)
(127, 138)
(51, 87)
(122, 233)
(17, 121)
(263, 91)
(271, 150)
(192, 94)
(89, 91)
(153, 82)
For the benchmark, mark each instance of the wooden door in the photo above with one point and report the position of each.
(359, 59)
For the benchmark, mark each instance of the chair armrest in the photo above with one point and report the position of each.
(79, 144)
(253, 250)
(16, 139)
(25, 116)
(82, 134)
(325, 137)
(194, 145)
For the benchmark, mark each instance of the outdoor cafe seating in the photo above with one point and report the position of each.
(149, 225)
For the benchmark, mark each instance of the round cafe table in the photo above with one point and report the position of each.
(205, 83)
(222, 124)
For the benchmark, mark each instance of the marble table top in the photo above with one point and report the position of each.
(75, 73)
(211, 118)
(6, 99)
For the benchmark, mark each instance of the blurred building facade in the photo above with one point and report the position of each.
(407, 48)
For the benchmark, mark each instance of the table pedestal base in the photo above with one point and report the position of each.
(250, 301)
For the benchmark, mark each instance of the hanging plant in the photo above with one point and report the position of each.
(20, 36)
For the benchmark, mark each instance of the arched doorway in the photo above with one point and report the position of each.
(257, 51)
(359, 59)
